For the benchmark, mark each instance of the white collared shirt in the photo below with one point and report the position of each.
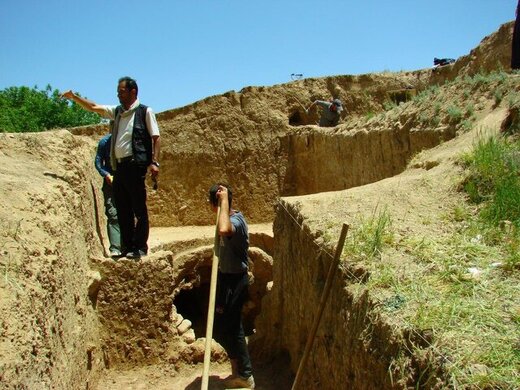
(123, 146)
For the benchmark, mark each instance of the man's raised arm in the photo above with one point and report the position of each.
(85, 103)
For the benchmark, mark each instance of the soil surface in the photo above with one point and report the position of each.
(189, 377)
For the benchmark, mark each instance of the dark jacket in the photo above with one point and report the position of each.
(141, 139)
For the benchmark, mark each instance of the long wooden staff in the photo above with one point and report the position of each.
(302, 106)
(211, 308)
(324, 296)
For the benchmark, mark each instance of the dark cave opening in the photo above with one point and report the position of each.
(193, 305)
(296, 119)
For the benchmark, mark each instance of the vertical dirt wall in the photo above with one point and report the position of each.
(48, 328)
(322, 161)
(353, 348)
(134, 304)
(229, 138)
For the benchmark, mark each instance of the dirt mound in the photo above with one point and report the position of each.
(493, 52)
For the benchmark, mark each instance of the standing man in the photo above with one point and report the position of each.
(515, 47)
(102, 163)
(134, 149)
(232, 286)
(330, 113)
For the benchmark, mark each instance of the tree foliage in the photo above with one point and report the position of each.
(24, 109)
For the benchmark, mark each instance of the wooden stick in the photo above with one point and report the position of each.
(324, 296)
(211, 307)
(302, 106)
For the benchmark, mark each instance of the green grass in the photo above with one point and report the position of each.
(367, 240)
(498, 95)
(494, 179)
(470, 111)
(467, 125)
(457, 292)
(483, 79)
(462, 287)
(455, 114)
(513, 99)
(369, 115)
(389, 105)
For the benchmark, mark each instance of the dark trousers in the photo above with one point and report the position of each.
(515, 49)
(132, 213)
(229, 332)
(113, 231)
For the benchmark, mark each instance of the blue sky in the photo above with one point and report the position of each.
(184, 51)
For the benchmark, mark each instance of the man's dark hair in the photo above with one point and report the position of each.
(130, 83)
(213, 194)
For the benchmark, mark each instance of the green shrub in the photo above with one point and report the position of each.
(470, 110)
(389, 105)
(494, 179)
(369, 115)
(467, 124)
(24, 109)
(437, 108)
(455, 114)
(499, 95)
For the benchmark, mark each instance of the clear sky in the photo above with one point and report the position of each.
(183, 51)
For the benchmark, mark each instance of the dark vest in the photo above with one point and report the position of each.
(141, 139)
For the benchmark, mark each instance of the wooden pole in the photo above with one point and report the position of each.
(324, 296)
(302, 106)
(211, 307)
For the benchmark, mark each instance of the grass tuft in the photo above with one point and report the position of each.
(367, 240)
(494, 179)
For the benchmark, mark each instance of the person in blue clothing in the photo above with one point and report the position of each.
(232, 286)
(103, 166)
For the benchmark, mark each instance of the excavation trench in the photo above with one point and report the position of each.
(72, 318)
(153, 317)
(128, 331)
(154, 312)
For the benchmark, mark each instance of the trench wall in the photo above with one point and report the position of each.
(353, 348)
(322, 161)
(48, 327)
(134, 304)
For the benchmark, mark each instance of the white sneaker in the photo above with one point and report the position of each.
(115, 253)
(240, 383)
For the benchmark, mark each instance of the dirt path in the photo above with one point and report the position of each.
(162, 377)
(166, 235)
(166, 377)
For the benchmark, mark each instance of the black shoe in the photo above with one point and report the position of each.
(135, 254)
